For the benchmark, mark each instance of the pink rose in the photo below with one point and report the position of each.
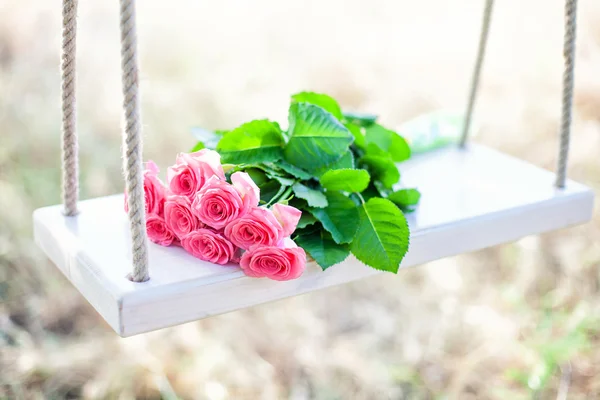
(217, 203)
(158, 231)
(247, 189)
(179, 216)
(208, 246)
(259, 226)
(192, 170)
(280, 263)
(287, 216)
(154, 191)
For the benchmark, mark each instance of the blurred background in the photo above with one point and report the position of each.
(517, 321)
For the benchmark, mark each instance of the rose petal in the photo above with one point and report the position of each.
(259, 226)
(158, 231)
(287, 216)
(208, 245)
(179, 216)
(152, 167)
(193, 170)
(275, 263)
(154, 191)
(247, 188)
(217, 203)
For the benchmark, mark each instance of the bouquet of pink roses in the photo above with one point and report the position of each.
(327, 186)
(218, 219)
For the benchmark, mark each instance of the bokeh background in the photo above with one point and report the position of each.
(517, 321)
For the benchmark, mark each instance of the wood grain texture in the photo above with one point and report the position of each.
(471, 199)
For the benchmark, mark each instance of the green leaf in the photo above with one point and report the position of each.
(293, 170)
(253, 142)
(383, 191)
(308, 230)
(268, 190)
(359, 137)
(381, 166)
(382, 237)
(199, 146)
(208, 138)
(323, 249)
(405, 197)
(340, 217)
(257, 175)
(345, 162)
(388, 141)
(306, 219)
(375, 189)
(272, 171)
(284, 181)
(345, 180)
(314, 197)
(317, 139)
(267, 168)
(298, 203)
(324, 101)
(360, 119)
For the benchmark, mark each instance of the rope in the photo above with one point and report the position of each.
(134, 180)
(485, 28)
(567, 91)
(70, 157)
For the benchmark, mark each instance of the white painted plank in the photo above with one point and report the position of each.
(471, 199)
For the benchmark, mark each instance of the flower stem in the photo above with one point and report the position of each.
(362, 200)
(281, 194)
(285, 194)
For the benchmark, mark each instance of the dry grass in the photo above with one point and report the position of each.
(510, 322)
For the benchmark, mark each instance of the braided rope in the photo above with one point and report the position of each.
(133, 167)
(567, 91)
(70, 154)
(485, 28)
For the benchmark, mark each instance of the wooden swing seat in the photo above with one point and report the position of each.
(471, 199)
